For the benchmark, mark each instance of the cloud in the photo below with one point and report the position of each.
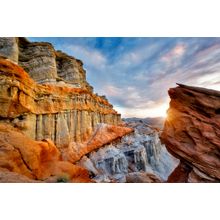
(89, 56)
(176, 52)
(136, 73)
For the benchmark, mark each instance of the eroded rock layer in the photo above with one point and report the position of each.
(192, 133)
(43, 63)
(62, 114)
(36, 160)
(49, 114)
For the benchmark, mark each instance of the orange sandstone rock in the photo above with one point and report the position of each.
(104, 134)
(192, 130)
(35, 159)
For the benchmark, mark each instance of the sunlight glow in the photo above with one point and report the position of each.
(159, 111)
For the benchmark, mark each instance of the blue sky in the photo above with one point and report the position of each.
(135, 73)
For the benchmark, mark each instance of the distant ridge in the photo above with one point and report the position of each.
(157, 122)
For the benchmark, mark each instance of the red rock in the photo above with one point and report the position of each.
(180, 174)
(192, 128)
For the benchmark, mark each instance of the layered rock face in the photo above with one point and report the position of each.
(9, 48)
(192, 133)
(138, 156)
(43, 63)
(62, 112)
(45, 97)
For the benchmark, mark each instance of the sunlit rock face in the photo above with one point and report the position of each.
(139, 152)
(192, 133)
(44, 95)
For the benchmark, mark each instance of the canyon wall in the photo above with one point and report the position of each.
(44, 92)
(49, 116)
(192, 133)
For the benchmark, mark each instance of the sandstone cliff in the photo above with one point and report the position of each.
(192, 133)
(63, 107)
(44, 94)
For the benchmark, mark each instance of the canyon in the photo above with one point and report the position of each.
(54, 128)
(137, 157)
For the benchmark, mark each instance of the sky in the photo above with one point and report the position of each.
(136, 73)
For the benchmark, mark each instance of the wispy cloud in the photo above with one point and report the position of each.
(91, 57)
(175, 53)
(135, 73)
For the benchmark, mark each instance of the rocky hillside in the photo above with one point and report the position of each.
(45, 97)
(192, 134)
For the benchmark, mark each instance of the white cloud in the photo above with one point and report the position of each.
(137, 55)
(154, 111)
(136, 81)
(211, 81)
(89, 56)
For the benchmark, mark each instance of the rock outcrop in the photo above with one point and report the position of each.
(37, 160)
(192, 133)
(43, 63)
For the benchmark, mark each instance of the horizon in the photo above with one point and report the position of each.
(136, 73)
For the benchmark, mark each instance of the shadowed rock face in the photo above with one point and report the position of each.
(9, 48)
(43, 63)
(192, 132)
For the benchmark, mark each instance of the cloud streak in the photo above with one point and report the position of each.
(135, 73)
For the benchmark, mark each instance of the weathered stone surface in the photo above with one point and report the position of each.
(142, 177)
(9, 48)
(35, 159)
(103, 134)
(12, 177)
(43, 63)
(71, 71)
(180, 174)
(38, 59)
(192, 130)
(62, 114)
(46, 99)
(139, 151)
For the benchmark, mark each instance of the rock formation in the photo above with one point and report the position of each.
(34, 159)
(138, 156)
(192, 134)
(45, 97)
(63, 108)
